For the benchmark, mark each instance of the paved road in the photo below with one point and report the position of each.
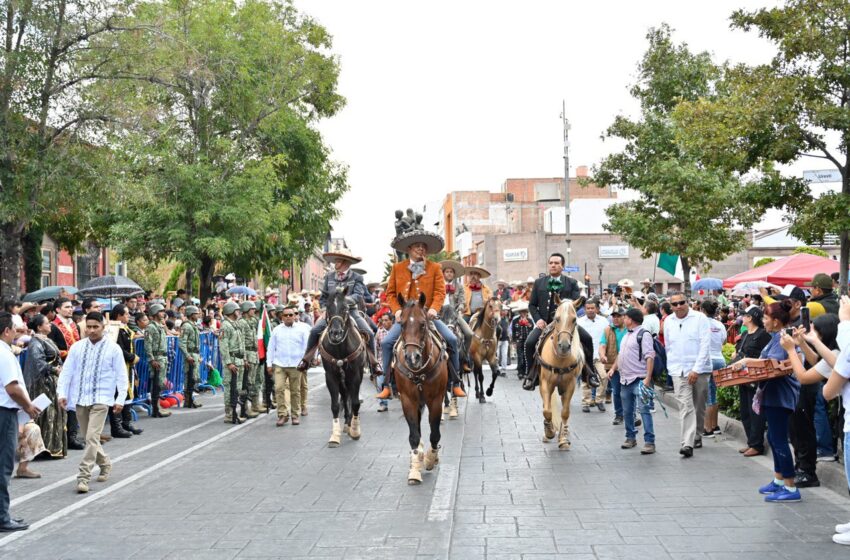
(203, 489)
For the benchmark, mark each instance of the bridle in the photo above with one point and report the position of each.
(342, 326)
(424, 348)
(558, 334)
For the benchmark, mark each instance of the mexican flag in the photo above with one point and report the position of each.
(672, 264)
(264, 333)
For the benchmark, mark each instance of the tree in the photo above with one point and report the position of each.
(810, 251)
(51, 53)
(686, 207)
(763, 261)
(223, 163)
(796, 106)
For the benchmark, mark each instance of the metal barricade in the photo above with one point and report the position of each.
(210, 358)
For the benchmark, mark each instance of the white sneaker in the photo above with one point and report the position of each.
(845, 528)
(826, 459)
(841, 538)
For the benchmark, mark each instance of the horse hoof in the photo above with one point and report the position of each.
(411, 481)
(333, 444)
(354, 428)
(482, 400)
(490, 392)
(546, 439)
(431, 460)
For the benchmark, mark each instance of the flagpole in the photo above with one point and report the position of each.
(654, 267)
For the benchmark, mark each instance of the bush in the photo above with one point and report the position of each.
(763, 261)
(729, 402)
(810, 251)
(728, 350)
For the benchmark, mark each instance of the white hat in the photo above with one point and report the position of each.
(530, 280)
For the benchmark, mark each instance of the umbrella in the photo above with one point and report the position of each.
(50, 292)
(111, 286)
(747, 288)
(241, 291)
(707, 284)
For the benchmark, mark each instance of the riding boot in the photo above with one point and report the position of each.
(73, 431)
(530, 382)
(115, 427)
(304, 364)
(374, 364)
(127, 421)
(155, 392)
(386, 392)
(455, 380)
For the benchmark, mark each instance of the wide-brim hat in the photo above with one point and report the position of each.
(372, 285)
(483, 272)
(459, 269)
(530, 280)
(500, 281)
(293, 297)
(342, 254)
(272, 291)
(520, 305)
(433, 242)
(360, 271)
(626, 283)
(517, 283)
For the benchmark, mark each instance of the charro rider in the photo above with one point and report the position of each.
(342, 260)
(542, 307)
(409, 278)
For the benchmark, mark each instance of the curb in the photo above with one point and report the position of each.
(831, 475)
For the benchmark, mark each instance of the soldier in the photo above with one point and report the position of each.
(232, 348)
(249, 335)
(273, 322)
(190, 345)
(156, 349)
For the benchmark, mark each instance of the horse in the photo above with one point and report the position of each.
(562, 358)
(484, 346)
(421, 372)
(343, 351)
(449, 315)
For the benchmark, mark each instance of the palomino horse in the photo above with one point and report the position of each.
(421, 373)
(484, 346)
(343, 351)
(561, 358)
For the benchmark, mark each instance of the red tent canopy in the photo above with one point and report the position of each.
(797, 269)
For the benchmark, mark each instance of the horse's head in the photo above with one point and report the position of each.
(448, 315)
(337, 309)
(566, 320)
(414, 331)
(492, 312)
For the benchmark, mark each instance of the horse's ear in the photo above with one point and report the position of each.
(400, 300)
(422, 299)
(557, 299)
(579, 302)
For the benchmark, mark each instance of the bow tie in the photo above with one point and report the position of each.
(450, 288)
(340, 277)
(555, 284)
(475, 287)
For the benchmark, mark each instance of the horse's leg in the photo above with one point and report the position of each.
(434, 417)
(412, 415)
(356, 378)
(478, 374)
(494, 369)
(336, 430)
(566, 397)
(546, 394)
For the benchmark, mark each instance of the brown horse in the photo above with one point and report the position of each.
(421, 372)
(561, 360)
(484, 346)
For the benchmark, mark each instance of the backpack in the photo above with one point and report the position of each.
(659, 364)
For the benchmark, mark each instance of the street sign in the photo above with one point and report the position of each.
(823, 176)
(572, 268)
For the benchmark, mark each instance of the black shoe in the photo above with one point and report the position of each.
(600, 406)
(75, 443)
(698, 444)
(585, 408)
(617, 420)
(686, 452)
(716, 431)
(13, 525)
(638, 422)
(806, 480)
(706, 433)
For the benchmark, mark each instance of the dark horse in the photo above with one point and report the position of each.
(484, 346)
(343, 351)
(421, 373)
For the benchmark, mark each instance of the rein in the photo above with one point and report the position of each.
(361, 347)
(559, 371)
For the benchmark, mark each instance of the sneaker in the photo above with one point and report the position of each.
(698, 444)
(687, 452)
(843, 528)
(841, 538)
(82, 487)
(806, 480)
(648, 449)
(104, 473)
(770, 488)
(585, 408)
(601, 406)
(628, 444)
(784, 495)
(706, 433)
(382, 408)
(717, 431)
(617, 420)
(826, 458)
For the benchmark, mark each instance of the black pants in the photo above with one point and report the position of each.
(584, 336)
(804, 438)
(8, 445)
(521, 364)
(754, 424)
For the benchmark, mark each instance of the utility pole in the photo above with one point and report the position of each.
(566, 124)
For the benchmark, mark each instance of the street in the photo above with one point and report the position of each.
(193, 487)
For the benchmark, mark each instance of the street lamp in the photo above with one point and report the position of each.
(600, 277)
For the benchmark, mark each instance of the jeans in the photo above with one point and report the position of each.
(8, 445)
(380, 382)
(712, 387)
(777, 435)
(395, 332)
(847, 457)
(616, 394)
(630, 394)
(503, 349)
(826, 448)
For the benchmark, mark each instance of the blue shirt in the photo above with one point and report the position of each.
(781, 392)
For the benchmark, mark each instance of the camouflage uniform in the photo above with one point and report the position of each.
(232, 348)
(248, 327)
(190, 346)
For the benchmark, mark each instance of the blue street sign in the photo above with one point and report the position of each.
(572, 268)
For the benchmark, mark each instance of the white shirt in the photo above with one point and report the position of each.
(842, 368)
(288, 344)
(596, 329)
(92, 373)
(652, 323)
(10, 371)
(688, 343)
(718, 338)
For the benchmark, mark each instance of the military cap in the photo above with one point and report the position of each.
(259, 305)
(191, 310)
(270, 308)
(247, 306)
(278, 308)
(230, 308)
(156, 308)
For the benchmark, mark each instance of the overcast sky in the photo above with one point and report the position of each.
(461, 95)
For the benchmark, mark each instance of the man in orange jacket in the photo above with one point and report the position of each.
(409, 278)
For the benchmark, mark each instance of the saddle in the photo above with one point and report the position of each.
(587, 376)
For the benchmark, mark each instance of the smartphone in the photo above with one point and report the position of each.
(804, 315)
(789, 331)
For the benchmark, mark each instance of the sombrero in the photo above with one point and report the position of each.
(530, 280)
(293, 297)
(501, 282)
(520, 305)
(517, 283)
(343, 254)
(373, 285)
(459, 269)
(626, 283)
(359, 271)
(433, 242)
(481, 271)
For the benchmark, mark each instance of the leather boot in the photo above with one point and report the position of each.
(127, 421)
(74, 441)
(530, 382)
(156, 412)
(457, 384)
(115, 427)
(374, 364)
(386, 392)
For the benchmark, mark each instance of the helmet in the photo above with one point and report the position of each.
(259, 305)
(177, 303)
(230, 308)
(270, 308)
(156, 308)
(247, 306)
(191, 310)
(278, 308)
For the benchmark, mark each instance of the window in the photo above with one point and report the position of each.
(45, 280)
(87, 264)
(46, 260)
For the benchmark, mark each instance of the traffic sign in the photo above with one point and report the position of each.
(572, 268)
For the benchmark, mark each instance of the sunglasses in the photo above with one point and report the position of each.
(289, 314)
(678, 303)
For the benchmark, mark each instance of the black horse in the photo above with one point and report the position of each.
(343, 351)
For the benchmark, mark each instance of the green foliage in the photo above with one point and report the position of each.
(687, 205)
(728, 399)
(763, 261)
(810, 251)
(143, 274)
(728, 351)
(174, 278)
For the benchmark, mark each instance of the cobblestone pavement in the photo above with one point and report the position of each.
(193, 487)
